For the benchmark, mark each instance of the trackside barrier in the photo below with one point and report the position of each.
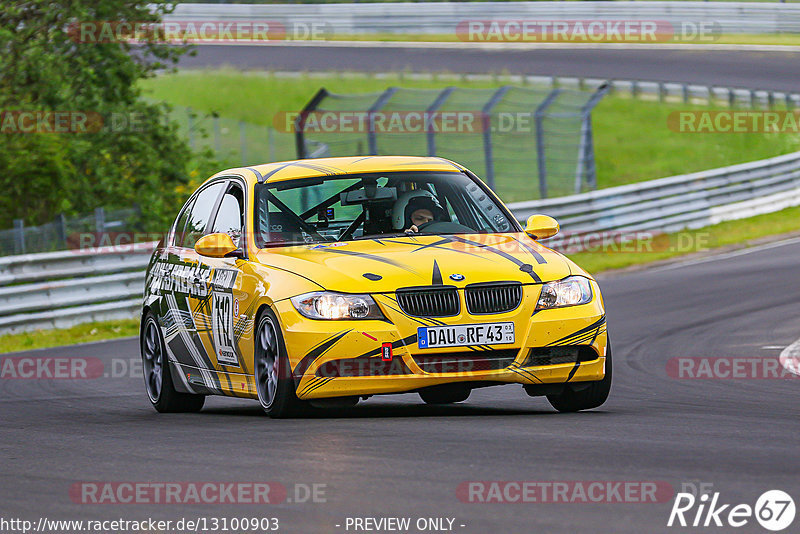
(61, 289)
(443, 17)
(678, 202)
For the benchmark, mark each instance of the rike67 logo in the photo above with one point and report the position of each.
(774, 510)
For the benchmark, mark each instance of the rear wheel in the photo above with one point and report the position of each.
(446, 394)
(586, 395)
(274, 383)
(157, 378)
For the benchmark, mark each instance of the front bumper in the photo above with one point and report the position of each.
(343, 358)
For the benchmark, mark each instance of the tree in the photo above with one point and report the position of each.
(118, 150)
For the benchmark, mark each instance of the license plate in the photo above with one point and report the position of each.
(433, 337)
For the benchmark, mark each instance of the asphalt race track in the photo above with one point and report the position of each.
(395, 456)
(776, 71)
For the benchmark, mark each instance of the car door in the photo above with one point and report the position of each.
(186, 280)
(230, 315)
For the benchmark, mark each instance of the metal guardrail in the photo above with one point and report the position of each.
(678, 202)
(443, 17)
(61, 289)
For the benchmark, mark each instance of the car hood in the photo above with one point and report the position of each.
(383, 265)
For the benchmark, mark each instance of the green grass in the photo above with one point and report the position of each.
(689, 241)
(83, 333)
(632, 140)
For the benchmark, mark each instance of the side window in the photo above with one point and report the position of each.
(230, 217)
(200, 214)
(180, 224)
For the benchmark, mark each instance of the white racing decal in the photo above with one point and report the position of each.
(222, 328)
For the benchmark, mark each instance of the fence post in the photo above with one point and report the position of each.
(585, 169)
(19, 227)
(190, 126)
(538, 117)
(61, 228)
(271, 141)
(486, 122)
(99, 220)
(217, 145)
(372, 140)
(430, 112)
(243, 143)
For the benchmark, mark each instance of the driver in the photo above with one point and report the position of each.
(416, 208)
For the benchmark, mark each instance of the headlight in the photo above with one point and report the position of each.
(327, 305)
(570, 291)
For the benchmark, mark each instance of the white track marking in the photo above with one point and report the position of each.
(726, 255)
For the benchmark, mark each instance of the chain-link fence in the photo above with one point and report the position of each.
(100, 228)
(526, 142)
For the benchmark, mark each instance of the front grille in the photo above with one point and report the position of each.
(429, 301)
(466, 361)
(493, 298)
(559, 355)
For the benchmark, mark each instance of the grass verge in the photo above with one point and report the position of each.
(82, 333)
(701, 241)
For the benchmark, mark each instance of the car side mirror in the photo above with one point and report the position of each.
(541, 227)
(215, 245)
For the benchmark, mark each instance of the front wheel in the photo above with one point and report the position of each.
(157, 378)
(592, 395)
(273, 374)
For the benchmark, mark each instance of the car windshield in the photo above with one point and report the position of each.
(351, 207)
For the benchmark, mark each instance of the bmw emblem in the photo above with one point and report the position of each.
(457, 277)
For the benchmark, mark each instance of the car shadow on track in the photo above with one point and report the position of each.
(386, 410)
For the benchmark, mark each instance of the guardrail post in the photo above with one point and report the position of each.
(100, 220)
(685, 89)
(635, 89)
(661, 92)
(19, 228)
(752, 98)
(771, 99)
(731, 97)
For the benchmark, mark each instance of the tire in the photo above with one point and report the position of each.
(592, 396)
(157, 377)
(273, 376)
(447, 394)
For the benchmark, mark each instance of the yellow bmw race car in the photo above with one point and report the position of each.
(324, 281)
